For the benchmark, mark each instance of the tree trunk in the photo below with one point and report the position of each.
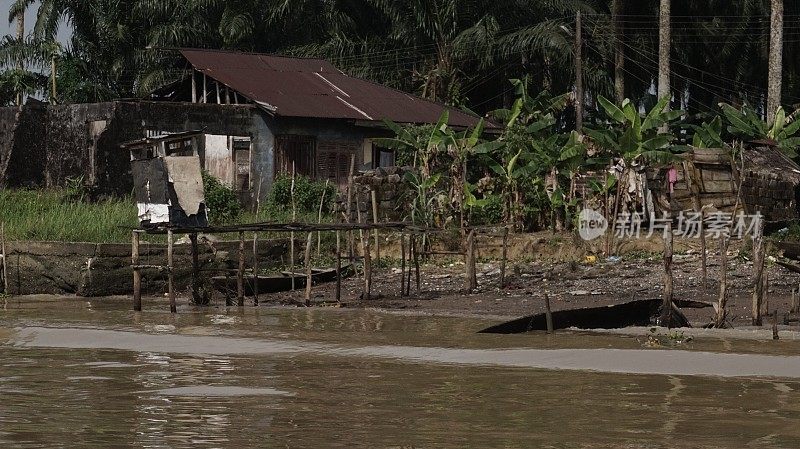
(664, 42)
(759, 252)
(775, 60)
(617, 9)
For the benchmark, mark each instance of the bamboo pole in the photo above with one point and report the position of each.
(504, 259)
(472, 282)
(758, 266)
(173, 308)
(255, 269)
(240, 272)
(338, 266)
(349, 209)
(308, 269)
(137, 273)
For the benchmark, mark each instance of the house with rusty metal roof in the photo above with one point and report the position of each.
(251, 117)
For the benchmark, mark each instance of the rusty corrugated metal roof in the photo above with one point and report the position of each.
(299, 87)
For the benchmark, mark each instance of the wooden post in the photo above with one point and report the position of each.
(472, 277)
(319, 217)
(366, 254)
(402, 264)
(240, 272)
(194, 87)
(349, 209)
(703, 255)
(374, 198)
(291, 234)
(205, 89)
(196, 296)
(775, 325)
(666, 306)
(504, 259)
(416, 260)
(308, 269)
(548, 314)
(255, 269)
(338, 266)
(758, 266)
(794, 301)
(137, 273)
(219, 99)
(173, 308)
(722, 302)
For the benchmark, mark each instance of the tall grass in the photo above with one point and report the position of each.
(57, 215)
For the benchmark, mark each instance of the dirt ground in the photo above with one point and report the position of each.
(575, 283)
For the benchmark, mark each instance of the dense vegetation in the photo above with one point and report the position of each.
(526, 174)
(457, 51)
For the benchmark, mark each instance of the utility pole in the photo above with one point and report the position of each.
(617, 8)
(775, 60)
(578, 74)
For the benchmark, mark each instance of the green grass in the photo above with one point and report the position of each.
(52, 215)
(56, 215)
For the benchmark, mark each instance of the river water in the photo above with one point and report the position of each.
(79, 373)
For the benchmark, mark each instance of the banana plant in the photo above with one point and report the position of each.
(746, 124)
(635, 138)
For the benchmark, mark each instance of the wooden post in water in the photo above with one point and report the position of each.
(137, 272)
(240, 272)
(758, 266)
(308, 269)
(548, 314)
(666, 306)
(173, 308)
(255, 269)
(504, 259)
(338, 266)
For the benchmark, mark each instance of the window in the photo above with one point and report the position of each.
(295, 152)
(382, 157)
(333, 160)
(241, 155)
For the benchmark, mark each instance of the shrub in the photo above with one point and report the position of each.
(222, 203)
(488, 213)
(307, 194)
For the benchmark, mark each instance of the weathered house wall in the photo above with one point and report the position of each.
(47, 146)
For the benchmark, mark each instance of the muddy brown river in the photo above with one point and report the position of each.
(79, 373)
